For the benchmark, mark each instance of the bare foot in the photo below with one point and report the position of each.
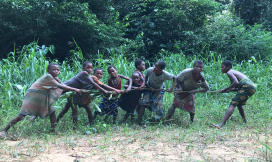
(32, 118)
(217, 125)
(2, 135)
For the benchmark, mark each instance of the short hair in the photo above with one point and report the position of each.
(97, 69)
(227, 63)
(51, 64)
(138, 62)
(162, 64)
(111, 66)
(198, 62)
(86, 63)
(135, 73)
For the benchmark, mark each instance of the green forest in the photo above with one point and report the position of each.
(34, 33)
(141, 28)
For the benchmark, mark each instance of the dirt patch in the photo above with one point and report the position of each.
(152, 146)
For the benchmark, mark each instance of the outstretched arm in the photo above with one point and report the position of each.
(234, 83)
(93, 83)
(129, 79)
(126, 86)
(173, 84)
(113, 89)
(67, 88)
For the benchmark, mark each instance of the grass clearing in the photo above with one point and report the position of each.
(181, 141)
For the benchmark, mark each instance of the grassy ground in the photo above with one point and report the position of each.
(181, 141)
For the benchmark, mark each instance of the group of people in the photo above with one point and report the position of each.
(141, 92)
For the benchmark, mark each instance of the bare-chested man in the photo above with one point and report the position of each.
(241, 83)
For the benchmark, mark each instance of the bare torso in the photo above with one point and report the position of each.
(235, 75)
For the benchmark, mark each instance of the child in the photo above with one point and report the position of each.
(109, 107)
(97, 75)
(140, 67)
(83, 81)
(153, 98)
(128, 101)
(40, 97)
(241, 83)
(188, 80)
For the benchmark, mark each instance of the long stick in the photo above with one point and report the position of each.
(176, 91)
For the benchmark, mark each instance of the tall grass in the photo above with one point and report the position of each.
(18, 73)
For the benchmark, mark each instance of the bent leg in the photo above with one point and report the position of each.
(141, 114)
(14, 121)
(53, 121)
(192, 116)
(171, 112)
(64, 110)
(114, 118)
(242, 113)
(90, 114)
(226, 117)
(126, 117)
(74, 114)
(138, 106)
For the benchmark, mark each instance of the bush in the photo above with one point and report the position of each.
(228, 36)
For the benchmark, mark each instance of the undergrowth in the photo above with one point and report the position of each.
(17, 75)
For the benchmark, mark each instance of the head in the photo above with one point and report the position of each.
(158, 68)
(135, 78)
(140, 65)
(198, 66)
(88, 67)
(53, 69)
(226, 66)
(112, 71)
(98, 72)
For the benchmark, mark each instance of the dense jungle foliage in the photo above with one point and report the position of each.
(143, 28)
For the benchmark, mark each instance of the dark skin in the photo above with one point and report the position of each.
(234, 76)
(196, 73)
(140, 68)
(158, 71)
(115, 79)
(99, 74)
(135, 80)
(87, 70)
(54, 71)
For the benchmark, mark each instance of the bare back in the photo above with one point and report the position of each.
(235, 75)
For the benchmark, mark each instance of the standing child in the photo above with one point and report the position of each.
(82, 81)
(128, 101)
(188, 80)
(39, 98)
(110, 107)
(241, 83)
(153, 98)
(140, 67)
(97, 75)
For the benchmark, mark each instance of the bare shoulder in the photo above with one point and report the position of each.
(236, 73)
